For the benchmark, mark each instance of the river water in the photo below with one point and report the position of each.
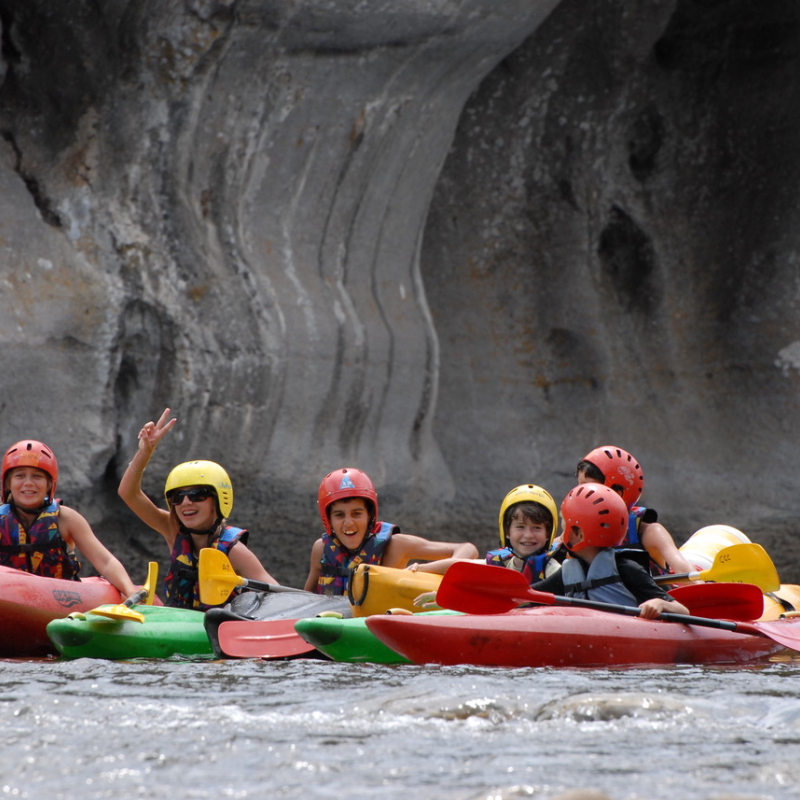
(187, 730)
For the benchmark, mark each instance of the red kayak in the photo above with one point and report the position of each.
(28, 602)
(566, 637)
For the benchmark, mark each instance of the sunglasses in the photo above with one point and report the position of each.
(195, 496)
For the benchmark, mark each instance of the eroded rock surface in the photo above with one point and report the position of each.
(455, 244)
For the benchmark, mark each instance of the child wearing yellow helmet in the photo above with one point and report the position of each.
(528, 523)
(199, 497)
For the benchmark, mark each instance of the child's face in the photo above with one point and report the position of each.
(349, 521)
(28, 486)
(196, 515)
(525, 536)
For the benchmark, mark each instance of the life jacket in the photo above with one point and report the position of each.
(600, 582)
(337, 562)
(533, 567)
(41, 550)
(181, 584)
(633, 540)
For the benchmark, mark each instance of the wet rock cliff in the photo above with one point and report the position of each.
(457, 245)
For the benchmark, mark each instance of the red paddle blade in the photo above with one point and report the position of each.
(736, 601)
(261, 639)
(482, 589)
(784, 631)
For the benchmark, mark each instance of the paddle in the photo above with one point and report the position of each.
(218, 579)
(737, 601)
(274, 638)
(737, 563)
(481, 589)
(124, 611)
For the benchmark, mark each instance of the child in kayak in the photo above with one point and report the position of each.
(528, 522)
(595, 519)
(615, 467)
(353, 535)
(199, 495)
(37, 533)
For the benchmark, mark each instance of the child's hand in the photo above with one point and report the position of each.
(152, 432)
(651, 609)
(427, 600)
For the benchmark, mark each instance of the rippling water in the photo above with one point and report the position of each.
(310, 729)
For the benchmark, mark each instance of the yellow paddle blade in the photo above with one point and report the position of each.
(150, 583)
(743, 563)
(118, 612)
(217, 577)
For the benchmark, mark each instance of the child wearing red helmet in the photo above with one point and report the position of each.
(37, 533)
(595, 519)
(614, 467)
(353, 535)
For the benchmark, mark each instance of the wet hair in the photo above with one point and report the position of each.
(592, 472)
(535, 512)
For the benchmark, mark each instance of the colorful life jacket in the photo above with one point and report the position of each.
(337, 562)
(533, 568)
(634, 519)
(634, 541)
(600, 582)
(181, 584)
(40, 550)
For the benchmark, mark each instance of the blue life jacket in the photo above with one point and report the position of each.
(337, 562)
(633, 540)
(600, 582)
(533, 568)
(41, 550)
(181, 584)
(632, 536)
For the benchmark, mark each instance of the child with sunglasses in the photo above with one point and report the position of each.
(200, 499)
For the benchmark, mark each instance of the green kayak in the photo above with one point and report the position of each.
(164, 632)
(350, 639)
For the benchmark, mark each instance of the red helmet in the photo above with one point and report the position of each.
(342, 484)
(599, 512)
(29, 453)
(620, 468)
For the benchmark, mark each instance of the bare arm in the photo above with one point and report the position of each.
(74, 528)
(658, 542)
(402, 548)
(130, 487)
(651, 609)
(245, 563)
(440, 566)
(315, 568)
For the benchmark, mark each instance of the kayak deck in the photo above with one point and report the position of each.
(563, 637)
(165, 632)
(29, 602)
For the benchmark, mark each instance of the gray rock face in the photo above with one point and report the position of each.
(455, 244)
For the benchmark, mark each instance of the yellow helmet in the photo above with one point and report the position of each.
(528, 493)
(203, 473)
